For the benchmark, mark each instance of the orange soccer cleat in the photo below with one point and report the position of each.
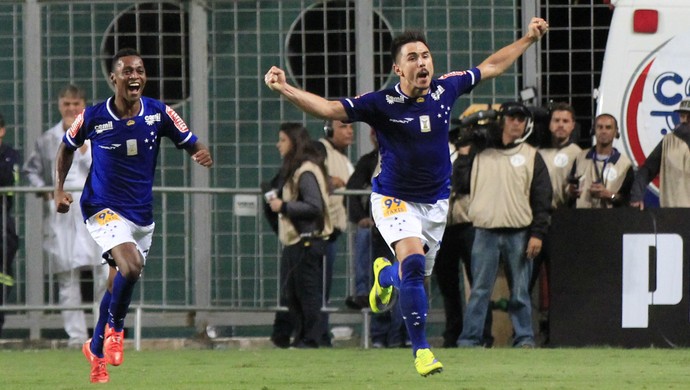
(99, 371)
(113, 346)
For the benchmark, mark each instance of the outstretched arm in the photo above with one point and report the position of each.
(305, 101)
(498, 62)
(63, 162)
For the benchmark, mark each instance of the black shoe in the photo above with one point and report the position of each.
(357, 302)
(302, 344)
(281, 341)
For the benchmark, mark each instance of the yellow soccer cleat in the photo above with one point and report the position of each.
(380, 297)
(426, 363)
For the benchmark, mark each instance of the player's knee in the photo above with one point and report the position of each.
(132, 272)
(413, 267)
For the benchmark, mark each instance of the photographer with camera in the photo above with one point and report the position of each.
(471, 134)
(601, 176)
(510, 201)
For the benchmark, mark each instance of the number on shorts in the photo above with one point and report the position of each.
(106, 216)
(393, 206)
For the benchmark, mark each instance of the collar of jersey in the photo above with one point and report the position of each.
(112, 114)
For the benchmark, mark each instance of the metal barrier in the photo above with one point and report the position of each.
(199, 285)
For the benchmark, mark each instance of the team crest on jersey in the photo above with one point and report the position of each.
(76, 125)
(179, 123)
(151, 119)
(424, 123)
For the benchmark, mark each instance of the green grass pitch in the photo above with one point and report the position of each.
(354, 368)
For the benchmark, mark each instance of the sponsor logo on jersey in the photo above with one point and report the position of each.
(455, 73)
(151, 119)
(395, 99)
(76, 125)
(436, 95)
(179, 123)
(109, 147)
(655, 90)
(404, 120)
(103, 127)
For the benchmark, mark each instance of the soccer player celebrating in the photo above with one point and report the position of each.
(117, 201)
(410, 196)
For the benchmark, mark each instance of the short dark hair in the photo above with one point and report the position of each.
(615, 121)
(125, 52)
(72, 91)
(563, 106)
(404, 38)
(2, 121)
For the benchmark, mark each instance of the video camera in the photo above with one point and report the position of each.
(479, 126)
(476, 129)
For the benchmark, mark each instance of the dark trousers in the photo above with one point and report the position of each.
(456, 247)
(7, 254)
(304, 289)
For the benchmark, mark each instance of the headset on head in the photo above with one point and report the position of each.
(592, 131)
(529, 126)
(328, 128)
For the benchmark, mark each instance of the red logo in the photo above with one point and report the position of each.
(76, 125)
(451, 74)
(179, 123)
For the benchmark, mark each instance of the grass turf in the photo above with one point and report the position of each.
(351, 368)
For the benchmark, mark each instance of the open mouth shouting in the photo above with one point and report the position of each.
(134, 87)
(423, 76)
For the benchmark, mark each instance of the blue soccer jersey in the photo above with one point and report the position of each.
(413, 136)
(125, 153)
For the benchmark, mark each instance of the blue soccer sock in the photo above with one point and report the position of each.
(99, 330)
(119, 303)
(413, 300)
(389, 276)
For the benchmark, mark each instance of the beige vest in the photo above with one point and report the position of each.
(338, 165)
(500, 187)
(559, 162)
(457, 213)
(612, 177)
(674, 173)
(287, 233)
